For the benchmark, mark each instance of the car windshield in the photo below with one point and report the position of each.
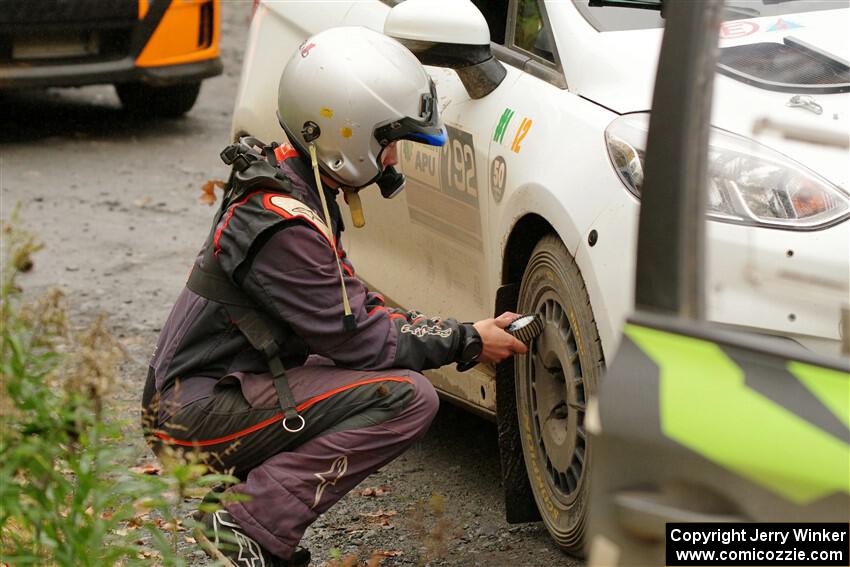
(614, 18)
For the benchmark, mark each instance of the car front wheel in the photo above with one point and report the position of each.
(168, 101)
(553, 384)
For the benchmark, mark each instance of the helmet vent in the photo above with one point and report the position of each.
(337, 163)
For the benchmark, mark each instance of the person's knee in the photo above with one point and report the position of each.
(425, 400)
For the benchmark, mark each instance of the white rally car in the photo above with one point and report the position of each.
(532, 204)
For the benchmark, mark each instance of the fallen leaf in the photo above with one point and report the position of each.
(190, 539)
(137, 520)
(386, 553)
(121, 532)
(375, 491)
(147, 468)
(169, 526)
(142, 506)
(208, 191)
(380, 517)
(379, 514)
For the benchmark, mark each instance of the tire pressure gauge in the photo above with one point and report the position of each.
(526, 328)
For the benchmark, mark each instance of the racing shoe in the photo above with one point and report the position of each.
(223, 539)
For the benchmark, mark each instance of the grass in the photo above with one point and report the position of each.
(68, 496)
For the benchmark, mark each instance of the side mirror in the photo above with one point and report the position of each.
(448, 33)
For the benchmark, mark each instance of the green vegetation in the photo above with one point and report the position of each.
(68, 495)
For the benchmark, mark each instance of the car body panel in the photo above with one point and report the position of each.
(273, 36)
(444, 257)
(156, 42)
(614, 69)
(173, 43)
(695, 421)
(569, 197)
(694, 424)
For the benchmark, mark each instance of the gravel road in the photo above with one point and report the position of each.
(116, 201)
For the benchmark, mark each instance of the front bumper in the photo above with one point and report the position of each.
(788, 283)
(120, 71)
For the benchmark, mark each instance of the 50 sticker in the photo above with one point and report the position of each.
(498, 177)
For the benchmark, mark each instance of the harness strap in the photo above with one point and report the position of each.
(244, 314)
(259, 334)
(212, 283)
(215, 285)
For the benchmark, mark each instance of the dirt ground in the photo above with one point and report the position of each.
(115, 200)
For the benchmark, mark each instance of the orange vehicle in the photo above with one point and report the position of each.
(155, 52)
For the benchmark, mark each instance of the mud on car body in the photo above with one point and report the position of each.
(155, 52)
(532, 204)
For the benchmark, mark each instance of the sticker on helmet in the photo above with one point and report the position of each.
(305, 48)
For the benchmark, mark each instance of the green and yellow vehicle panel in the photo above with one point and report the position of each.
(695, 423)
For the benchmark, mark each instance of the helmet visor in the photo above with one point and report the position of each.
(427, 130)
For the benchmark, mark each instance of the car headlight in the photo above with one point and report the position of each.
(747, 182)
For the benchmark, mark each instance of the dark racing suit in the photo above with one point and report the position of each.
(360, 392)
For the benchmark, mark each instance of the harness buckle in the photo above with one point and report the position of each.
(299, 428)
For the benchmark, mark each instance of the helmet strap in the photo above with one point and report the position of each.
(349, 323)
(352, 197)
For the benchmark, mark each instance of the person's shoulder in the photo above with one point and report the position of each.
(258, 212)
(290, 208)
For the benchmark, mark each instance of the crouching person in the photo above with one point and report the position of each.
(276, 360)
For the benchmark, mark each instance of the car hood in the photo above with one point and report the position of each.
(622, 75)
(624, 78)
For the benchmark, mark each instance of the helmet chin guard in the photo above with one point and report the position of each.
(391, 183)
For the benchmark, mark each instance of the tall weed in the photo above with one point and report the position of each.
(68, 496)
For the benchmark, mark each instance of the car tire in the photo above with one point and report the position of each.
(164, 101)
(553, 383)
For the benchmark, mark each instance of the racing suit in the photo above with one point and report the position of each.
(360, 392)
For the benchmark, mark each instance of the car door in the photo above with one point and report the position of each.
(428, 248)
(695, 422)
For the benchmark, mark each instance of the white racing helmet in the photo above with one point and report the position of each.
(352, 91)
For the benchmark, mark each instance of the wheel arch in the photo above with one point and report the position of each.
(519, 499)
(524, 236)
